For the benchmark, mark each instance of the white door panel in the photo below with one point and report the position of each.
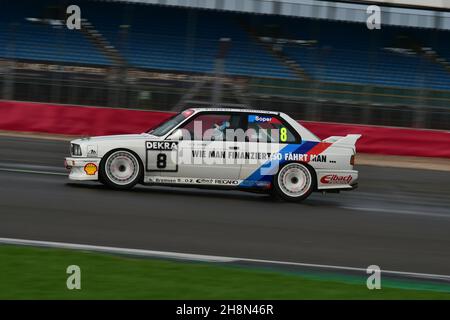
(211, 159)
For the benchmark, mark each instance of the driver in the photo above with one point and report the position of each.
(219, 130)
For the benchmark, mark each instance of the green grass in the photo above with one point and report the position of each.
(38, 273)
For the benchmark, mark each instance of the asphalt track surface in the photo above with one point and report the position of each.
(398, 219)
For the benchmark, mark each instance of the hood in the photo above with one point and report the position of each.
(98, 139)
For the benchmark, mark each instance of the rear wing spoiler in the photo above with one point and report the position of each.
(347, 141)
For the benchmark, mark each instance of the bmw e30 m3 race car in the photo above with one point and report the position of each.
(250, 150)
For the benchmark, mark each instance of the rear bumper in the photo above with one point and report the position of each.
(82, 168)
(337, 179)
(354, 186)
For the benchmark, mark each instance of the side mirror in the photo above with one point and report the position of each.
(176, 135)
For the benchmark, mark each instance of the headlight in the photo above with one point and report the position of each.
(75, 149)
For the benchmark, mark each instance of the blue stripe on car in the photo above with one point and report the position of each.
(263, 175)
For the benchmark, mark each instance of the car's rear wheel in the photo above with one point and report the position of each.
(120, 169)
(293, 182)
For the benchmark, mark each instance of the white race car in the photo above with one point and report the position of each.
(250, 150)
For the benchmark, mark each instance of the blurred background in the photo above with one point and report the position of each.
(315, 60)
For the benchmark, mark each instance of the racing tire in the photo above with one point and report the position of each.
(294, 182)
(121, 169)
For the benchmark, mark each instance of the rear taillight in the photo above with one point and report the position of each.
(352, 160)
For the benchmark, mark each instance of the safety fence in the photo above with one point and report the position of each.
(84, 121)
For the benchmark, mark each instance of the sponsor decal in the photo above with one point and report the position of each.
(204, 181)
(161, 156)
(260, 119)
(303, 157)
(90, 168)
(182, 180)
(217, 181)
(335, 179)
(319, 158)
(92, 151)
(161, 145)
(162, 180)
(221, 154)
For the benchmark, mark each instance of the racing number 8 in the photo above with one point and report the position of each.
(283, 134)
(161, 161)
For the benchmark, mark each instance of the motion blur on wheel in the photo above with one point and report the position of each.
(292, 149)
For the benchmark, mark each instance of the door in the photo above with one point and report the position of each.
(270, 137)
(206, 153)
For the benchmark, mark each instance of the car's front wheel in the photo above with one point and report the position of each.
(293, 182)
(120, 169)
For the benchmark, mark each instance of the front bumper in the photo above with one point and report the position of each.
(82, 168)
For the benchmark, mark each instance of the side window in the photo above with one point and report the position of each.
(268, 128)
(211, 126)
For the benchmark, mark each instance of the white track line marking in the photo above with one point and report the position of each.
(207, 258)
(33, 171)
(395, 211)
(127, 251)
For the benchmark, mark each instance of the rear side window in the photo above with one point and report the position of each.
(271, 129)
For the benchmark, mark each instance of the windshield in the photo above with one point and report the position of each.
(165, 127)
